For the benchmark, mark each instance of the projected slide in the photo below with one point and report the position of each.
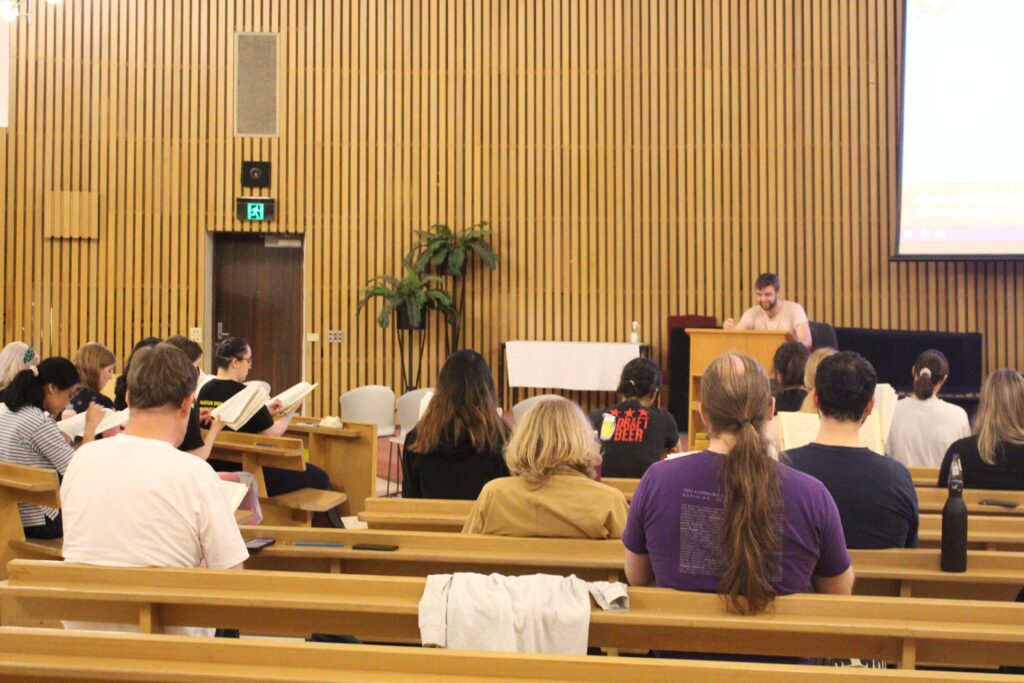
(962, 179)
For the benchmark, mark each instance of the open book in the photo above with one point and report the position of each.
(234, 493)
(885, 406)
(292, 397)
(240, 408)
(800, 429)
(74, 427)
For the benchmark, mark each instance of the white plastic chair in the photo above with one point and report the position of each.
(408, 407)
(374, 404)
(520, 409)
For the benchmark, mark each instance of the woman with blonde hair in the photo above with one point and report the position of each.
(994, 457)
(730, 520)
(813, 361)
(552, 456)
(95, 363)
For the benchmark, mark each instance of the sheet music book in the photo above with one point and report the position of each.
(800, 429)
(292, 397)
(234, 493)
(259, 383)
(885, 406)
(74, 427)
(240, 408)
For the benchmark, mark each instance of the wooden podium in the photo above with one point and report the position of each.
(707, 345)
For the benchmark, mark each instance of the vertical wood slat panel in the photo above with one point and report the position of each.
(625, 179)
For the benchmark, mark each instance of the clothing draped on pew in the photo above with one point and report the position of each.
(539, 613)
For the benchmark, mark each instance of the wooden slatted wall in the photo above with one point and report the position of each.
(636, 159)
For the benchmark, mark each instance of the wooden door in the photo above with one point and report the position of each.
(257, 294)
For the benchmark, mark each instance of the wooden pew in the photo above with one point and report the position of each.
(32, 655)
(907, 630)
(20, 484)
(930, 498)
(897, 572)
(256, 451)
(984, 532)
(924, 477)
(987, 532)
(348, 454)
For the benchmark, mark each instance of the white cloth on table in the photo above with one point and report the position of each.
(539, 613)
(581, 366)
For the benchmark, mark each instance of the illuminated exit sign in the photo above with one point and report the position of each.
(255, 209)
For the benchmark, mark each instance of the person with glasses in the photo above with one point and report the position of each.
(233, 360)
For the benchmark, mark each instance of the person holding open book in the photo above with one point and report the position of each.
(875, 494)
(30, 437)
(233, 359)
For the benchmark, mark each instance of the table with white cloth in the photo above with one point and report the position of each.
(574, 366)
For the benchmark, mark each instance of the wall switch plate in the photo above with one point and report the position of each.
(196, 334)
(335, 337)
(312, 337)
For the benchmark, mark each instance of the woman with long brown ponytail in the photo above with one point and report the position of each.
(730, 519)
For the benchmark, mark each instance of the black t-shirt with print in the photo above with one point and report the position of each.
(216, 391)
(193, 435)
(640, 438)
(84, 396)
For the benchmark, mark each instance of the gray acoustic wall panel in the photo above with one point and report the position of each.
(256, 84)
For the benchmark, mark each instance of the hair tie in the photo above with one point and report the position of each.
(30, 353)
(631, 382)
(924, 372)
(35, 370)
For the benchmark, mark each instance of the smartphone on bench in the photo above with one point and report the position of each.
(1008, 504)
(257, 544)
(385, 547)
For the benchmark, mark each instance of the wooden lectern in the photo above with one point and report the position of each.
(708, 344)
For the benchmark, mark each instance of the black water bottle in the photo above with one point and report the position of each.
(954, 522)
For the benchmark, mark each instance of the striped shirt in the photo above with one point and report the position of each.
(30, 437)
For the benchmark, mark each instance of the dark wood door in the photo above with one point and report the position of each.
(257, 295)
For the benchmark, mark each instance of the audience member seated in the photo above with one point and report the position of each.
(923, 425)
(788, 368)
(552, 493)
(809, 369)
(731, 520)
(14, 358)
(457, 445)
(875, 494)
(29, 436)
(233, 359)
(994, 457)
(635, 433)
(135, 500)
(121, 385)
(194, 441)
(95, 364)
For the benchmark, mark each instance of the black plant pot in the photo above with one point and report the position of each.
(403, 320)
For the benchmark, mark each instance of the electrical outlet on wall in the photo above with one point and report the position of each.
(196, 334)
(335, 337)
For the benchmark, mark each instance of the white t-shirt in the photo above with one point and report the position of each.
(134, 502)
(790, 315)
(922, 431)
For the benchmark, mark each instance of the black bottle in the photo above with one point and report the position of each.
(954, 522)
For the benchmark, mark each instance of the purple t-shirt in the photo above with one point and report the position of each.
(676, 515)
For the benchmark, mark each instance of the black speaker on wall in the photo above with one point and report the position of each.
(255, 174)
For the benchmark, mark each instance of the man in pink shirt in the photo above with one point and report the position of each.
(773, 312)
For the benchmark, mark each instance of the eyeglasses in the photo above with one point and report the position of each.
(246, 359)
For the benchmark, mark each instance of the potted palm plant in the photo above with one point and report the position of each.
(409, 298)
(449, 252)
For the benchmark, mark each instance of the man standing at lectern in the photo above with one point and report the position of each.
(773, 312)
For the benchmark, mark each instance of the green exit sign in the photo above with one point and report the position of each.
(255, 209)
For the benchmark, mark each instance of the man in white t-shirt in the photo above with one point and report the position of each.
(134, 500)
(773, 313)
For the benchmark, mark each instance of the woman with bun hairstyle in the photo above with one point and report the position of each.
(634, 433)
(30, 437)
(730, 520)
(923, 425)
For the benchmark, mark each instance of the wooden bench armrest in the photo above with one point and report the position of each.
(310, 500)
(23, 478)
